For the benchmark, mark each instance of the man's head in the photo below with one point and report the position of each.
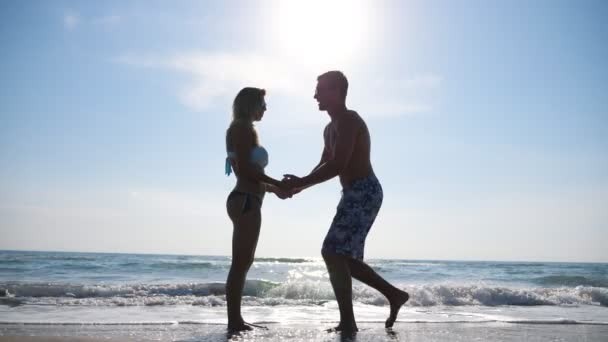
(331, 90)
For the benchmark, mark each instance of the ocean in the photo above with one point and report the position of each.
(61, 288)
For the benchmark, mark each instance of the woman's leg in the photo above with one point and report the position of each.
(246, 231)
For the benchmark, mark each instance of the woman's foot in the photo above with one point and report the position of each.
(256, 326)
(241, 326)
(396, 302)
(347, 328)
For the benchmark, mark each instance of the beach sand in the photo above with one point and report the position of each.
(54, 339)
(420, 332)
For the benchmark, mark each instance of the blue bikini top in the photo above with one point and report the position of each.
(259, 157)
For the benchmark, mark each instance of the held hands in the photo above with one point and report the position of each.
(289, 186)
(281, 190)
(282, 194)
(292, 183)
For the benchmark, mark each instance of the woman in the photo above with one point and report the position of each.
(248, 159)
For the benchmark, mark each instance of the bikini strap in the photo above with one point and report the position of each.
(228, 167)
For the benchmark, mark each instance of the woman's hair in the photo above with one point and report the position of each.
(246, 102)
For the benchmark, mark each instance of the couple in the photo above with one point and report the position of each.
(347, 155)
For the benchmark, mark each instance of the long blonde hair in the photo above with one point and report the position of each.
(246, 102)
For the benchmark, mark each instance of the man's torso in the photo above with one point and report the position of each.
(359, 165)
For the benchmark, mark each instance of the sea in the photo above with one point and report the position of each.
(64, 288)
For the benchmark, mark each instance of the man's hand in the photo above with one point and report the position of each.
(292, 182)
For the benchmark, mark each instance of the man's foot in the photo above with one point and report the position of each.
(396, 302)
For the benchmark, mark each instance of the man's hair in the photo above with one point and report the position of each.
(336, 79)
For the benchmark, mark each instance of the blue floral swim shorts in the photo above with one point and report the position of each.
(355, 215)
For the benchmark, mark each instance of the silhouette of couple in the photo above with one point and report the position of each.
(346, 154)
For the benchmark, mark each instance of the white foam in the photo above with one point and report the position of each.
(297, 292)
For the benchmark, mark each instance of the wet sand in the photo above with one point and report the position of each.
(420, 332)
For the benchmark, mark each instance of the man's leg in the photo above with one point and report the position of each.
(365, 274)
(341, 281)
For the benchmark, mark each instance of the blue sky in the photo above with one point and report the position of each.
(489, 123)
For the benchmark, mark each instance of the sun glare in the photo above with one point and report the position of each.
(322, 32)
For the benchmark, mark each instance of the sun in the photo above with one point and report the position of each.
(315, 32)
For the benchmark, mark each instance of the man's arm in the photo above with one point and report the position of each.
(344, 146)
(325, 154)
(324, 158)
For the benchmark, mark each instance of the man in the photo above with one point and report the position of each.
(347, 154)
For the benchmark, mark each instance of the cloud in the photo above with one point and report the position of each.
(71, 19)
(400, 95)
(215, 77)
(426, 81)
(108, 21)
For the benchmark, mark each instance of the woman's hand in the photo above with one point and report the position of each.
(280, 193)
(283, 194)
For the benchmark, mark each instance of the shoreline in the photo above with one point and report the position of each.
(312, 331)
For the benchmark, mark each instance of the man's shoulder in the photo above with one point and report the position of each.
(352, 118)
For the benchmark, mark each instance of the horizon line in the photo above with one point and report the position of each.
(308, 257)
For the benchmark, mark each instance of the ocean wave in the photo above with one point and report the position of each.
(404, 263)
(283, 260)
(13, 261)
(27, 257)
(69, 257)
(167, 265)
(203, 265)
(35, 290)
(565, 280)
(517, 264)
(261, 292)
(494, 296)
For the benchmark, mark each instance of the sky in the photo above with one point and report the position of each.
(489, 124)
